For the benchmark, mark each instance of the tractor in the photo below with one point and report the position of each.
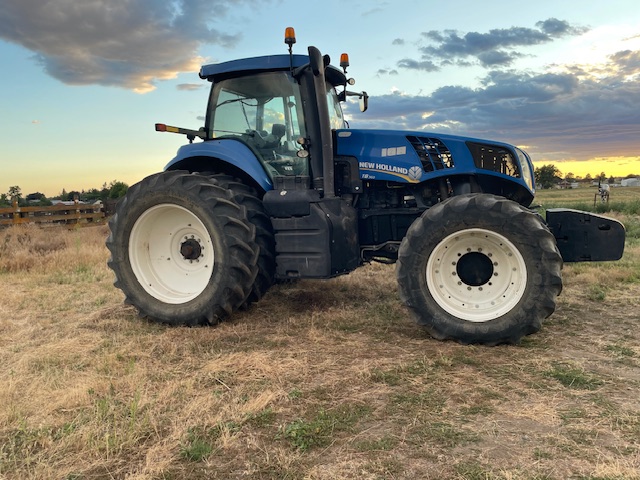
(277, 187)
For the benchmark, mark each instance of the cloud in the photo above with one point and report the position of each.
(590, 112)
(627, 63)
(189, 87)
(386, 71)
(380, 7)
(426, 65)
(496, 58)
(559, 28)
(125, 43)
(492, 49)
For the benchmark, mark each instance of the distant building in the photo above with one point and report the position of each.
(66, 203)
(630, 182)
(564, 184)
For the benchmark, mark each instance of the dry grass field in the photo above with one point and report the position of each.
(319, 380)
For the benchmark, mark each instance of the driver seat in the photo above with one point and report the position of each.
(277, 132)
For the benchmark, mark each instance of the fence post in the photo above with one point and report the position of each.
(16, 210)
(76, 202)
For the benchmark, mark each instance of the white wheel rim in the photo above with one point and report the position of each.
(171, 253)
(496, 290)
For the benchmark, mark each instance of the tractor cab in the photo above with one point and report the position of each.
(284, 108)
(264, 112)
(281, 111)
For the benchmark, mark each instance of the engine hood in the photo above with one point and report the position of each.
(414, 157)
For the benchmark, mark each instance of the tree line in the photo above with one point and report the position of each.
(548, 176)
(111, 191)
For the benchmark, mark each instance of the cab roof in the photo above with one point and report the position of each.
(218, 71)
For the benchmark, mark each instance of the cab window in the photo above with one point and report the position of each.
(335, 110)
(264, 111)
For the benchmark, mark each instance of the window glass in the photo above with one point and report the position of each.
(235, 114)
(335, 110)
(263, 112)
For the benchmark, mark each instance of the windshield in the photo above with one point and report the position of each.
(264, 111)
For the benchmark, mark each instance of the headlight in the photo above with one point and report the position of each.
(527, 168)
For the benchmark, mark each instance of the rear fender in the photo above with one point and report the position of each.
(227, 151)
(586, 237)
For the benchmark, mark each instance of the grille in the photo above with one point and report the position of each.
(433, 153)
(494, 158)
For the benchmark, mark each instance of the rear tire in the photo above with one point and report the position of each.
(182, 250)
(479, 268)
(247, 197)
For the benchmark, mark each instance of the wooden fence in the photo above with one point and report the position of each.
(78, 213)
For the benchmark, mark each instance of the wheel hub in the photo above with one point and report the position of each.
(191, 249)
(474, 269)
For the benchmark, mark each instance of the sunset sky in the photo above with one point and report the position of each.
(83, 82)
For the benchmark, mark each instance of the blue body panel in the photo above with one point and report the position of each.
(387, 155)
(229, 151)
(383, 155)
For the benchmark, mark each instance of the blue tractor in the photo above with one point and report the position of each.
(279, 188)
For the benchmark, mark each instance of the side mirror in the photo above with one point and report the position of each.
(364, 102)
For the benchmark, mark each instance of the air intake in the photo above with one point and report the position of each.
(494, 158)
(433, 154)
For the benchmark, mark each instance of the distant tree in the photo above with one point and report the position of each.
(588, 178)
(15, 192)
(570, 177)
(38, 199)
(117, 189)
(35, 197)
(4, 200)
(71, 196)
(611, 180)
(602, 177)
(104, 193)
(91, 195)
(547, 176)
(61, 196)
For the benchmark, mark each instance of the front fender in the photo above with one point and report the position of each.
(232, 152)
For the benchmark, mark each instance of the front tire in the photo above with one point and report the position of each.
(182, 250)
(479, 268)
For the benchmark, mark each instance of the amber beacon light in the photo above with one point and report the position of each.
(289, 36)
(344, 61)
